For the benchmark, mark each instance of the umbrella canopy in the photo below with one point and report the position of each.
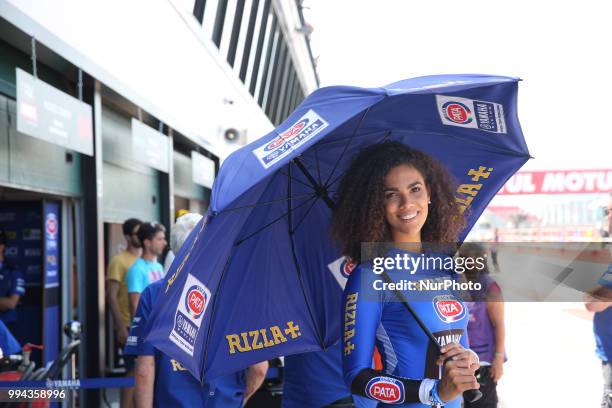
(260, 276)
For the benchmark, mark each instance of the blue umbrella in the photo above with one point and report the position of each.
(259, 278)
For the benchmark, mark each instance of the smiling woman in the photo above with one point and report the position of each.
(395, 194)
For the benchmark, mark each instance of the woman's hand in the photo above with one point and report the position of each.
(458, 376)
(497, 368)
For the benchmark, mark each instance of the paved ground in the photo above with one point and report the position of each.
(551, 359)
(550, 344)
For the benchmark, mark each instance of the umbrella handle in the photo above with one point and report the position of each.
(469, 395)
(472, 395)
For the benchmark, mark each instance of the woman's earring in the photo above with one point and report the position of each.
(429, 202)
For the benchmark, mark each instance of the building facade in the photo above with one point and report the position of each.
(113, 109)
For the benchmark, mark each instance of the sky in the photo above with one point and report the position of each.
(560, 49)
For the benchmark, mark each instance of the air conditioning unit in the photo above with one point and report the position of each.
(232, 131)
(235, 136)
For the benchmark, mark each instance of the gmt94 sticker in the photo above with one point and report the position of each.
(471, 113)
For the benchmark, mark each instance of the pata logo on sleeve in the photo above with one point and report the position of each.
(386, 389)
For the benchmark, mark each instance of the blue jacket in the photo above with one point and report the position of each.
(11, 283)
(174, 385)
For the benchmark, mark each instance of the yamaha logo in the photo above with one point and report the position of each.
(286, 142)
(189, 313)
(195, 301)
(448, 308)
(291, 133)
(457, 112)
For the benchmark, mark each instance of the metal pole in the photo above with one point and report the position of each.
(34, 72)
(80, 85)
(73, 377)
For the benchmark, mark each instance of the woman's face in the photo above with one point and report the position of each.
(405, 200)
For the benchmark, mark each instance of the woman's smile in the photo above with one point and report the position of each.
(408, 217)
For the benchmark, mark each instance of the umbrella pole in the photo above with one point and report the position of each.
(294, 254)
(469, 395)
(321, 191)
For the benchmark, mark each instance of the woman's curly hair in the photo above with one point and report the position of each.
(359, 214)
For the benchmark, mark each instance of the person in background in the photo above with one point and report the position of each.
(146, 269)
(169, 254)
(12, 286)
(494, 250)
(117, 295)
(599, 301)
(486, 327)
(164, 382)
(8, 343)
(321, 371)
(116, 288)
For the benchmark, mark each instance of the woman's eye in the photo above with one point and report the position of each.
(390, 195)
(416, 189)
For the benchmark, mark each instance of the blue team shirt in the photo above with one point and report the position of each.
(375, 317)
(8, 343)
(174, 385)
(11, 283)
(602, 323)
(315, 380)
(141, 274)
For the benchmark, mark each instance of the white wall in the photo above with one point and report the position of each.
(154, 53)
(289, 23)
